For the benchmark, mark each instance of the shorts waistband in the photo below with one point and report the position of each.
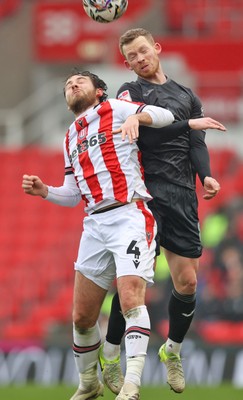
(102, 210)
(114, 206)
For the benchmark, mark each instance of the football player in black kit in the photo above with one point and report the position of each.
(170, 174)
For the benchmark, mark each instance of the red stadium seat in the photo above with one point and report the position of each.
(22, 330)
(39, 243)
(214, 18)
(8, 7)
(221, 332)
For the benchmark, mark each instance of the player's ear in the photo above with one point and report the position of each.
(99, 92)
(158, 48)
(127, 65)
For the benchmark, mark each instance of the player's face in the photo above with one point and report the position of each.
(142, 57)
(80, 93)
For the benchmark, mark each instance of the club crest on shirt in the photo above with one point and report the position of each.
(125, 95)
(83, 133)
(81, 127)
(80, 122)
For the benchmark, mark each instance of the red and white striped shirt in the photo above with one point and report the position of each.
(100, 167)
(106, 169)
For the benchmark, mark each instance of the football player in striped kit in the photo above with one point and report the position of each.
(102, 168)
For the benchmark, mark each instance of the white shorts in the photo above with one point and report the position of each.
(116, 243)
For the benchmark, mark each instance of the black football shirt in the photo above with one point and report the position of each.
(174, 153)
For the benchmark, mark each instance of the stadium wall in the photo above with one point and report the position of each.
(203, 365)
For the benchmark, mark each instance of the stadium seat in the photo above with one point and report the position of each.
(39, 243)
(22, 331)
(214, 18)
(221, 332)
(9, 7)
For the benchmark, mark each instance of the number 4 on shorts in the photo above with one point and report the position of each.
(133, 249)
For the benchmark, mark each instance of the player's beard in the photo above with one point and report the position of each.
(151, 72)
(81, 104)
(77, 106)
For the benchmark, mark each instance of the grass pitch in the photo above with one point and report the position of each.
(62, 392)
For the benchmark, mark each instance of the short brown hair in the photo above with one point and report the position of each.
(132, 34)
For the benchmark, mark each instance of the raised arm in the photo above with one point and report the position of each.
(155, 117)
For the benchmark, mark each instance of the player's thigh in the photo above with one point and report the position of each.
(94, 261)
(87, 300)
(133, 243)
(177, 219)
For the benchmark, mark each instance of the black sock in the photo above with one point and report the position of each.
(181, 312)
(116, 323)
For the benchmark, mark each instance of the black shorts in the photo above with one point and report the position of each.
(175, 209)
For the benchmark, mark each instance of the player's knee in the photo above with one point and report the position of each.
(187, 284)
(190, 285)
(82, 322)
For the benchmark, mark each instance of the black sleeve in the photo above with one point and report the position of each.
(199, 154)
(153, 137)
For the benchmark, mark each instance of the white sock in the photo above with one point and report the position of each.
(86, 348)
(89, 378)
(137, 331)
(136, 342)
(134, 370)
(128, 387)
(111, 351)
(172, 347)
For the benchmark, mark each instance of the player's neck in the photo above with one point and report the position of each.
(159, 78)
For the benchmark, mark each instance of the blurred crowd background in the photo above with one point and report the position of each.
(40, 42)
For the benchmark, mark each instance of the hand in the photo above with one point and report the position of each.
(129, 128)
(34, 186)
(205, 123)
(211, 186)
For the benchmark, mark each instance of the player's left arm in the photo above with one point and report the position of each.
(201, 163)
(199, 154)
(211, 186)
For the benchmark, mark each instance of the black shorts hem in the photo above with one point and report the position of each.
(182, 254)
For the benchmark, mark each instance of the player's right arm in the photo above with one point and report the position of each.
(67, 195)
(34, 186)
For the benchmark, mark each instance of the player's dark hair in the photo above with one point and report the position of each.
(132, 34)
(97, 82)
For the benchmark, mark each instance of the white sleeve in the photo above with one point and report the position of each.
(160, 116)
(67, 195)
